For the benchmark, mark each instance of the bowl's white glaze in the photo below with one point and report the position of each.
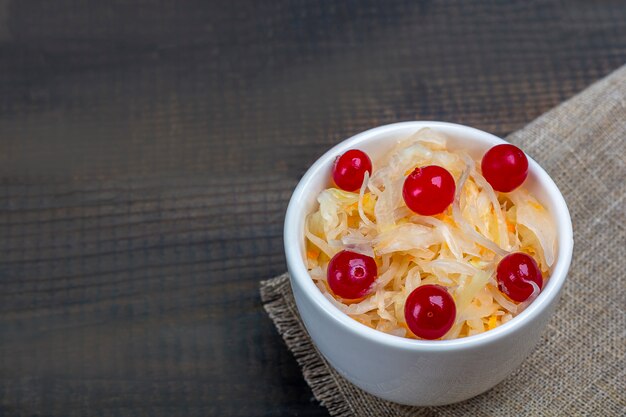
(418, 372)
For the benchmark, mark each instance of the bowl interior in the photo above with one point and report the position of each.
(377, 142)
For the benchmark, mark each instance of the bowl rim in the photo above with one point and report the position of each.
(300, 276)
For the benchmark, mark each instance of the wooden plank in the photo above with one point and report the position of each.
(148, 152)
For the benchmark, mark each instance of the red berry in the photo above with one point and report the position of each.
(349, 169)
(351, 275)
(515, 272)
(429, 311)
(428, 190)
(505, 167)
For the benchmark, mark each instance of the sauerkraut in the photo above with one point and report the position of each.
(458, 249)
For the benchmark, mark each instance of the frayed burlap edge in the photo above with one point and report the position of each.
(314, 367)
(328, 387)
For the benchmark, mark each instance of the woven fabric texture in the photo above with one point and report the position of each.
(578, 367)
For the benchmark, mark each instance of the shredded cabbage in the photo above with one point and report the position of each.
(458, 249)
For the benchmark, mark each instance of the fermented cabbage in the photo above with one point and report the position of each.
(458, 249)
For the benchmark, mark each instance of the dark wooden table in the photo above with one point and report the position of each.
(148, 150)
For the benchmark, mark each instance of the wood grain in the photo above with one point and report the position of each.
(148, 150)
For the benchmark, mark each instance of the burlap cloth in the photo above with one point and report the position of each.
(578, 367)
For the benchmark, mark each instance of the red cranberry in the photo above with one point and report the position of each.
(515, 273)
(429, 190)
(429, 311)
(505, 167)
(351, 275)
(350, 168)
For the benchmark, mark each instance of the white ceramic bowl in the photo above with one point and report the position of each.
(419, 372)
